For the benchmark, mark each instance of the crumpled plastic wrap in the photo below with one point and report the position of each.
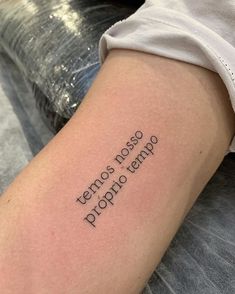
(55, 45)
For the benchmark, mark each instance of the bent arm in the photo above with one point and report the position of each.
(96, 209)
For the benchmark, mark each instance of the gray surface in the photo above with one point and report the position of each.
(22, 132)
(201, 258)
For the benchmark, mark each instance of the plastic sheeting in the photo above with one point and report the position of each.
(55, 45)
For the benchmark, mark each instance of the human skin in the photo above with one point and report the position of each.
(46, 246)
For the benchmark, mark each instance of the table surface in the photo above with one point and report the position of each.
(200, 259)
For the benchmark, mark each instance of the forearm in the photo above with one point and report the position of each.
(53, 243)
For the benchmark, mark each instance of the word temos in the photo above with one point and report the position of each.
(96, 185)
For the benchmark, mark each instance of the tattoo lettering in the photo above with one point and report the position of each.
(109, 197)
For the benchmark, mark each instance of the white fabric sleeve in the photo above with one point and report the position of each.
(200, 33)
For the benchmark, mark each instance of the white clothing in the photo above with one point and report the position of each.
(197, 32)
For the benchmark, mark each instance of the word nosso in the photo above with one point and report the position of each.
(143, 154)
(130, 145)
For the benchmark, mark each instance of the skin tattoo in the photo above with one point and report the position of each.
(119, 181)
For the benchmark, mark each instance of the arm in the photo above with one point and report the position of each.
(62, 232)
